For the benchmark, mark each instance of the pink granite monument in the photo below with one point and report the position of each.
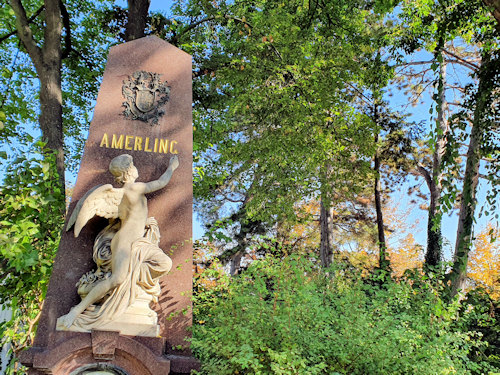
(135, 321)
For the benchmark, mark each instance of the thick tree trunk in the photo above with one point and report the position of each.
(47, 61)
(433, 255)
(51, 121)
(137, 19)
(468, 202)
(326, 228)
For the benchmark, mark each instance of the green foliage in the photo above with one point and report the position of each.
(31, 218)
(279, 109)
(84, 47)
(478, 312)
(285, 316)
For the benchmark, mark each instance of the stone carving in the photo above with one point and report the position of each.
(145, 94)
(116, 296)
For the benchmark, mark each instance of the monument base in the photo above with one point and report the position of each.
(137, 320)
(76, 353)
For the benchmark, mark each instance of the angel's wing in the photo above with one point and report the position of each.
(78, 207)
(100, 200)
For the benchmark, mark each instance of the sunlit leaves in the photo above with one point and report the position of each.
(31, 214)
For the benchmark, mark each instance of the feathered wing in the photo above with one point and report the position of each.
(78, 207)
(101, 200)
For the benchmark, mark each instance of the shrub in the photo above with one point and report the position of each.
(286, 316)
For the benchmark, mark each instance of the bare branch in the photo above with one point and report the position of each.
(461, 61)
(422, 171)
(412, 63)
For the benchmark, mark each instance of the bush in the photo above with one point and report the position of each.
(285, 316)
(31, 212)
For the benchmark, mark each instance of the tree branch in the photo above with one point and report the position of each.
(425, 174)
(461, 60)
(176, 37)
(412, 63)
(30, 20)
(25, 33)
(67, 27)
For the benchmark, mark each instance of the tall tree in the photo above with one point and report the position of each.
(484, 125)
(287, 129)
(438, 26)
(47, 61)
(52, 53)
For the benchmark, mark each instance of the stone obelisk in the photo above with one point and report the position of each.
(143, 109)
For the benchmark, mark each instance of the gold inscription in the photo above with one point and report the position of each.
(173, 150)
(146, 146)
(105, 141)
(136, 143)
(163, 146)
(117, 142)
(128, 139)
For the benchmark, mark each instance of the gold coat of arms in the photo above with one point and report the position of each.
(145, 94)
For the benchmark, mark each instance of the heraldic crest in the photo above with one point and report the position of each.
(145, 94)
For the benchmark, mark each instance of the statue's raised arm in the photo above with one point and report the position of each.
(165, 177)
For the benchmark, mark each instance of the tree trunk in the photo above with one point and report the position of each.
(383, 260)
(137, 19)
(47, 62)
(434, 252)
(326, 227)
(468, 202)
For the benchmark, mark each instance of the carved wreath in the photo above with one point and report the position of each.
(145, 94)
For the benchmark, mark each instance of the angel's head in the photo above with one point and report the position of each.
(122, 167)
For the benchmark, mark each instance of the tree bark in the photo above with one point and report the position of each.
(137, 19)
(383, 261)
(47, 62)
(468, 202)
(326, 228)
(433, 256)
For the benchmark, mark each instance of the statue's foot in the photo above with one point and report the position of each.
(66, 321)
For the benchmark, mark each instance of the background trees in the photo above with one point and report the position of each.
(300, 146)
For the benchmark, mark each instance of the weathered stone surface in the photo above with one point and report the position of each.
(62, 352)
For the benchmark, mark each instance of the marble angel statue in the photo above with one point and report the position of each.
(129, 261)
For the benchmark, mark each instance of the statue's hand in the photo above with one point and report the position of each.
(174, 163)
(66, 321)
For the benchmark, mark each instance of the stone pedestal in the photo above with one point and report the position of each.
(151, 141)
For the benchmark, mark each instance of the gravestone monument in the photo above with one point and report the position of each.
(119, 299)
